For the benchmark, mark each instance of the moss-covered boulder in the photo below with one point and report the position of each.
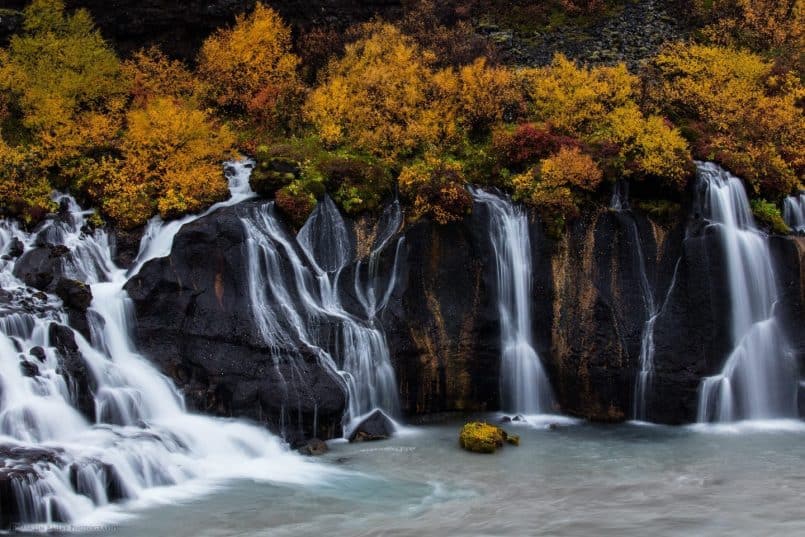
(272, 174)
(481, 437)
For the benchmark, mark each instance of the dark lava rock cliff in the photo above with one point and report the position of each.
(442, 322)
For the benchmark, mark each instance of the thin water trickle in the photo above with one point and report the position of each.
(758, 380)
(524, 384)
(620, 203)
(794, 212)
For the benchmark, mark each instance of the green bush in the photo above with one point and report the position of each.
(768, 215)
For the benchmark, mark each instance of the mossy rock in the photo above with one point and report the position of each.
(480, 437)
(272, 174)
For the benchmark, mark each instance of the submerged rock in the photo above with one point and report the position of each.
(314, 448)
(377, 426)
(480, 437)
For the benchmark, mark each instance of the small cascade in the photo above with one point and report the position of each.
(524, 384)
(794, 212)
(61, 460)
(295, 291)
(620, 203)
(158, 237)
(758, 380)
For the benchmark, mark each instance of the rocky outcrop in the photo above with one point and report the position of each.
(599, 309)
(194, 320)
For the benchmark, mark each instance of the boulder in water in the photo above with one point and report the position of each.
(314, 448)
(480, 437)
(16, 248)
(73, 367)
(377, 426)
(74, 294)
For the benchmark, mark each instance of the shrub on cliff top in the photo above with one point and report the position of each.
(250, 67)
(556, 186)
(744, 114)
(58, 67)
(384, 97)
(436, 187)
(598, 107)
(171, 164)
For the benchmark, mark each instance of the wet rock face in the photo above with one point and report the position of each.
(442, 322)
(72, 366)
(443, 326)
(194, 320)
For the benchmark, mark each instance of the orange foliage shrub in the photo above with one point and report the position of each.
(488, 95)
(149, 74)
(555, 185)
(436, 188)
(171, 164)
(598, 106)
(575, 100)
(22, 194)
(738, 110)
(445, 29)
(250, 67)
(758, 24)
(383, 96)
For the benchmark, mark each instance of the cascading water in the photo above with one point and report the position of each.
(59, 465)
(794, 212)
(306, 307)
(620, 203)
(758, 380)
(524, 384)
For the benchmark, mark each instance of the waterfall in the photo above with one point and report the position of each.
(295, 291)
(794, 212)
(758, 380)
(524, 384)
(60, 462)
(620, 203)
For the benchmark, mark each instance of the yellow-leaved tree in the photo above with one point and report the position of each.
(170, 164)
(598, 106)
(488, 95)
(737, 110)
(250, 68)
(59, 66)
(384, 97)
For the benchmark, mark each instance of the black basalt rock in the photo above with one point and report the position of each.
(195, 322)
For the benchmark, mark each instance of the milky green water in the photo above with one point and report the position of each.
(579, 480)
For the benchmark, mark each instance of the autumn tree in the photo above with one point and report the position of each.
(488, 95)
(761, 25)
(557, 184)
(737, 110)
(250, 67)
(436, 187)
(384, 97)
(149, 74)
(170, 164)
(598, 107)
(58, 67)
